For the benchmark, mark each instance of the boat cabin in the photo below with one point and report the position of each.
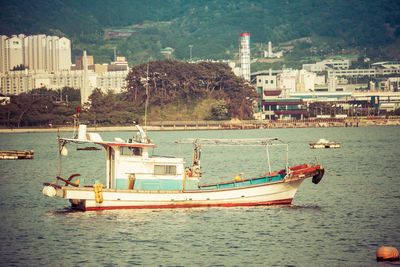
(129, 165)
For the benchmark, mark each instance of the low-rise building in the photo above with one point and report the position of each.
(373, 72)
(283, 108)
(17, 82)
(328, 64)
(266, 83)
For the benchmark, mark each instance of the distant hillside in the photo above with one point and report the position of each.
(212, 27)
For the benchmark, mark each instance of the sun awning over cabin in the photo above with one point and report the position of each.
(95, 138)
(107, 143)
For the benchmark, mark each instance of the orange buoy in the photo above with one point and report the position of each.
(387, 254)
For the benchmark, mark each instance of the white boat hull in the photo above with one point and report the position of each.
(135, 180)
(281, 192)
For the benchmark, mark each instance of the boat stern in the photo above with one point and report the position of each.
(52, 190)
(56, 190)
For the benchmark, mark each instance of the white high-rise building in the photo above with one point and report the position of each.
(47, 62)
(244, 54)
(63, 53)
(3, 53)
(13, 52)
(35, 52)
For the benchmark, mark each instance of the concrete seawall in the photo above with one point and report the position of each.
(226, 125)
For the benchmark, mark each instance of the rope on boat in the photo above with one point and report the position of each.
(362, 186)
(59, 152)
(244, 174)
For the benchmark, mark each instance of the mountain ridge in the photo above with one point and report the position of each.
(211, 27)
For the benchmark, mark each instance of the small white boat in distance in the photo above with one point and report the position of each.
(323, 143)
(136, 180)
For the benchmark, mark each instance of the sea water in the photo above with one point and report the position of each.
(342, 221)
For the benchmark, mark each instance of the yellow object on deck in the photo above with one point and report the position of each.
(237, 178)
(98, 192)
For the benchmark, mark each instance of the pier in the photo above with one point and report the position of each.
(229, 125)
(16, 154)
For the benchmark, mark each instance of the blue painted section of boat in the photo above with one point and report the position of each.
(191, 184)
(173, 184)
(121, 183)
(158, 184)
(252, 181)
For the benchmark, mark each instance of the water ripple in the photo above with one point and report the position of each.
(334, 223)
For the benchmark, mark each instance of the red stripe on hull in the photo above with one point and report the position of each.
(266, 203)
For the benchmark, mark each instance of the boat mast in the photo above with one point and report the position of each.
(76, 123)
(269, 162)
(147, 97)
(287, 156)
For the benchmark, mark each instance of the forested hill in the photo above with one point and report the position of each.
(211, 26)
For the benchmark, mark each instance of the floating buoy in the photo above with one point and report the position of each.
(387, 254)
(64, 151)
(49, 191)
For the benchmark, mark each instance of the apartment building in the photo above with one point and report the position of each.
(35, 52)
(112, 80)
(17, 82)
(46, 62)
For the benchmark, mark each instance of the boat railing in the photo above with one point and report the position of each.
(267, 142)
(233, 142)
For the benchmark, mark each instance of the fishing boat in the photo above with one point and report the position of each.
(134, 179)
(323, 143)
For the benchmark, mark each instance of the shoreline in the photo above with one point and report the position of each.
(225, 125)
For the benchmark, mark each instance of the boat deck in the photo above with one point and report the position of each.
(269, 177)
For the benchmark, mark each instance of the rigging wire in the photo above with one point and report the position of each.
(59, 151)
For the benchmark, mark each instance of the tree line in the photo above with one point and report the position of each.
(154, 84)
(39, 107)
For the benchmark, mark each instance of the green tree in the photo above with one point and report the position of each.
(70, 94)
(219, 111)
(167, 81)
(109, 109)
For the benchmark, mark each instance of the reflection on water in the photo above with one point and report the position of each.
(334, 223)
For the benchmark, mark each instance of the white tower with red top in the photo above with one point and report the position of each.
(244, 54)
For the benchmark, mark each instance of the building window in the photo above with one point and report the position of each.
(164, 170)
(266, 81)
(272, 81)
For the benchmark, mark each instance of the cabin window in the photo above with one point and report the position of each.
(164, 170)
(130, 151)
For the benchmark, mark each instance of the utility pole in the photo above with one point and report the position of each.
(190, 52)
